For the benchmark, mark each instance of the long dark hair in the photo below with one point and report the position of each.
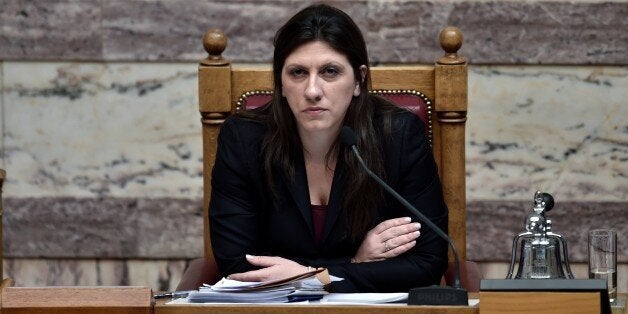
(281, 148)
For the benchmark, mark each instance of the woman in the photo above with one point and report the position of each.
(287, 195)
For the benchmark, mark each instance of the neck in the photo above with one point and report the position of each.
(316, 145)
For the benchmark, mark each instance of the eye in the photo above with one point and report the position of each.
(297, 72)
(330, 71)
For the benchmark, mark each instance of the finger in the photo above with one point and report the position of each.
(399, 250)
(253, 275)
(387, 247)
(264, 261)
(403, 239)
(387, 224)
(396, 231)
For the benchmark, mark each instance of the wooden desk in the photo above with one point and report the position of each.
(162, 308)
(516, 302)
(88, 300)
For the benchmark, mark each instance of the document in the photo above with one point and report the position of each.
(365, 298)
(226, 284)
(302, 287)
(269, 295)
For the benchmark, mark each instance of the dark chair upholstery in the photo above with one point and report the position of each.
(412, 100)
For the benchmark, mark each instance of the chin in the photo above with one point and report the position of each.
(321, 124)
(313, 130)
(316, 127)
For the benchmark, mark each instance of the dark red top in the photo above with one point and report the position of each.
(318, 217)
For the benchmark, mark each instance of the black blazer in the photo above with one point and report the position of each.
(246, 219)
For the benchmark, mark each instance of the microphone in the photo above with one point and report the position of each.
(434, 295)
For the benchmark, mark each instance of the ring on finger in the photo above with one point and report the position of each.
(386, 247)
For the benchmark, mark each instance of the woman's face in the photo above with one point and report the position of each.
(318, 83)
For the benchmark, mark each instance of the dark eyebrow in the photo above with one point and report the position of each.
(332, 64)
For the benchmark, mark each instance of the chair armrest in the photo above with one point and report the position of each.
(200, 271)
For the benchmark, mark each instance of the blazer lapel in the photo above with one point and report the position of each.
(336, 196)
(300, 192)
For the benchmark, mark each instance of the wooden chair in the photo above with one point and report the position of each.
(437, 93)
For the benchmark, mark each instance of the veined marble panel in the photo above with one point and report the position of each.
(51, 29)
(97, 129)
(132, 129)
(160, 275)
(496, 32)
(162, 228)
(108, 227)
(492, 225)
(562, 130)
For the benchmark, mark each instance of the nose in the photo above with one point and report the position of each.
(313, 89)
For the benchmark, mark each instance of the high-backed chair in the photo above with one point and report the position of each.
(437, 93)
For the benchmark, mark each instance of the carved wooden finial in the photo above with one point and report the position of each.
(451, 41)
(215, 42)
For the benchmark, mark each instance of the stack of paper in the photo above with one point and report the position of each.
(301, 287)
(265, 295)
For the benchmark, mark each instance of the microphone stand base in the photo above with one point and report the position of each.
(437, 295)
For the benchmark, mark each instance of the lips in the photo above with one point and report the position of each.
(314, 110)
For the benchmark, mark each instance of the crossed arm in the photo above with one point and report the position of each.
(388, 239)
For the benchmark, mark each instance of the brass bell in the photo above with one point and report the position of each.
(540, 256)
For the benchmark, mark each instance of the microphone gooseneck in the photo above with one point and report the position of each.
(350, 140)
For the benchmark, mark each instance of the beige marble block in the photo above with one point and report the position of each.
(96, 129)
(562, 130)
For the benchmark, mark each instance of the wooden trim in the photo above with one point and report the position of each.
(80, 300)
(162, 308)
(451, 112)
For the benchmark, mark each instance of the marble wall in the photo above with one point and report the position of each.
(101, 134)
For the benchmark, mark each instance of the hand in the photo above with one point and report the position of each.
(390, 238)
(274, 267)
